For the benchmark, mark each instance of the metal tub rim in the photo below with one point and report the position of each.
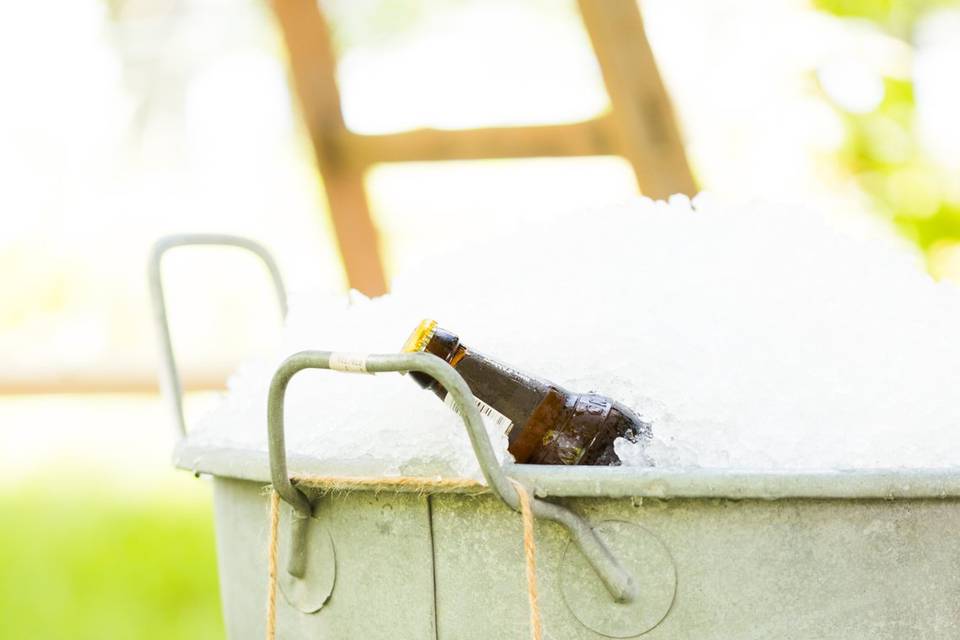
(620, 482)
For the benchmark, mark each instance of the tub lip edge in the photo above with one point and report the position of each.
(622, 482)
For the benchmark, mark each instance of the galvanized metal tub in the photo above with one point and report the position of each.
(622, 552)
(716, 554)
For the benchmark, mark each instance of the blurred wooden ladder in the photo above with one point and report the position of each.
(640, 125)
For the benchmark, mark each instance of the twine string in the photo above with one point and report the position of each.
(530, 555)
(402, 484)
(273, 548)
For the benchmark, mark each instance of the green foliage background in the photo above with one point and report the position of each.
(83, 560)
(882, 149)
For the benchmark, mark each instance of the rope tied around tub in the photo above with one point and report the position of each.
(273, 546)
(401, 485)
(530, 555)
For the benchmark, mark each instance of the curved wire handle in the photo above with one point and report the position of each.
(170, 378)
(615, 578)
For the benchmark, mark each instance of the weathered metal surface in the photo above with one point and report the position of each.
(384, 567)
(751, 569)
(747, 569)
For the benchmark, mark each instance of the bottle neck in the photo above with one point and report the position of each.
(511, 392)
(444, 345)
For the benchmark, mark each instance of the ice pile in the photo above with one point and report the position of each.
(752, 336)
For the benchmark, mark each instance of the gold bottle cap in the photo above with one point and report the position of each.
(420, 337)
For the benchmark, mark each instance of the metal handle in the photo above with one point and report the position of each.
(617, 580)
(170, 377)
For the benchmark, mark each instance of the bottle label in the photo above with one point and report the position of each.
(486, 411)
(351, 362)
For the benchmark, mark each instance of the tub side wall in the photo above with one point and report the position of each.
(451, 567)
(383, 556)
(788, 569)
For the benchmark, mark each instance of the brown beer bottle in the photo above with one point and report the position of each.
(545, 424)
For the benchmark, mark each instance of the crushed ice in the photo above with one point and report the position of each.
(757, 336)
